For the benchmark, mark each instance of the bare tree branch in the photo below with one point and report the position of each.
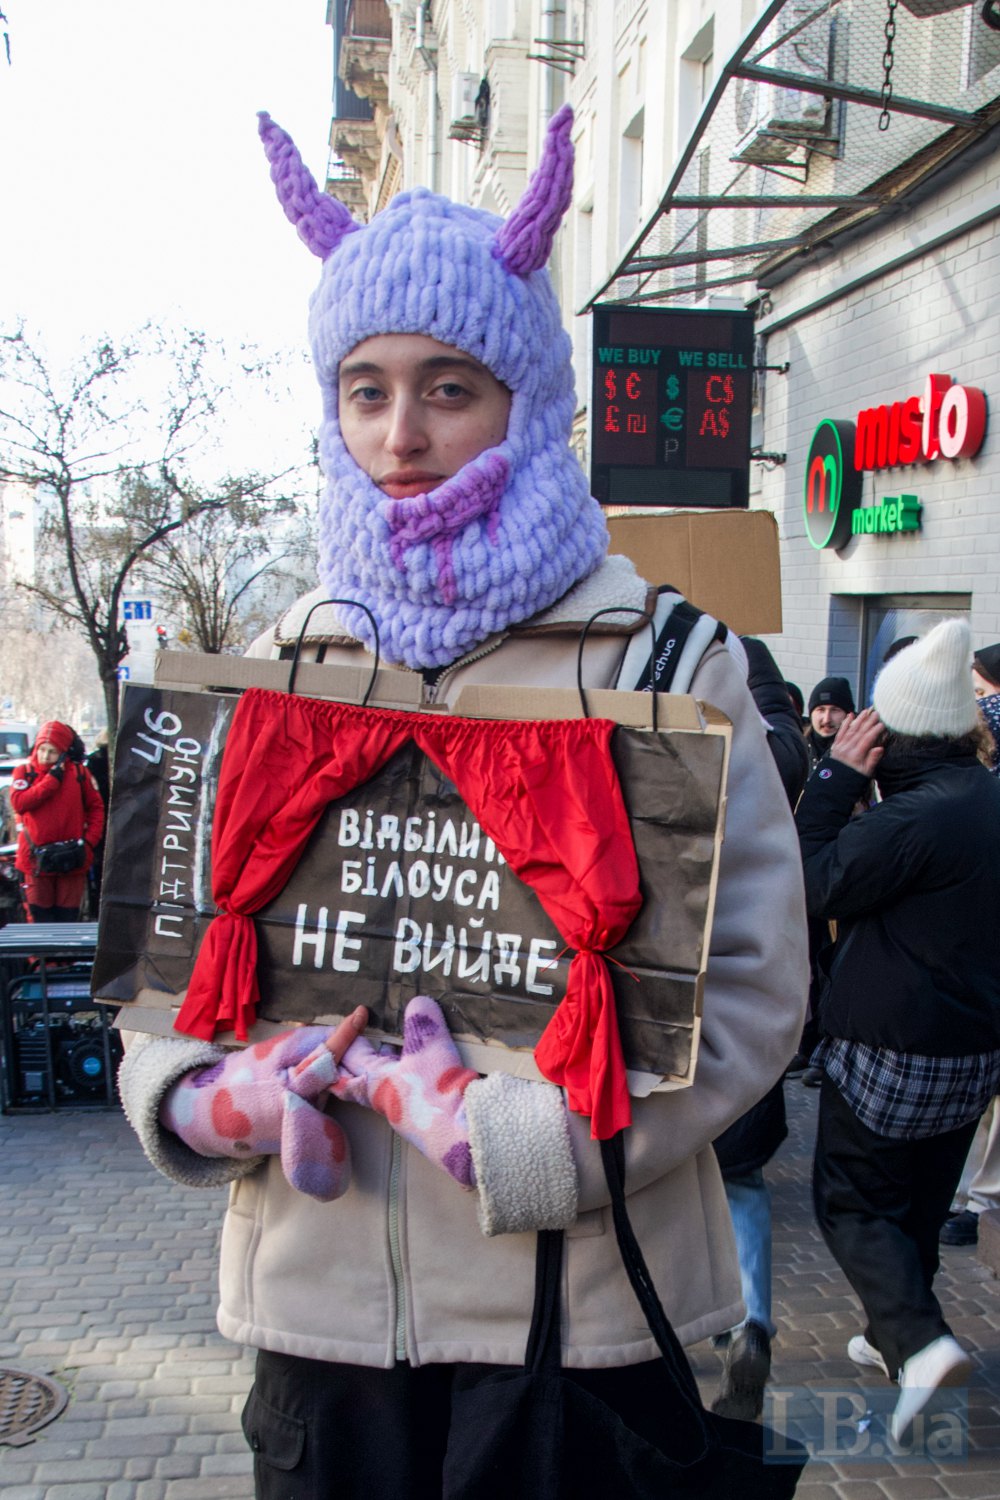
(106, 452)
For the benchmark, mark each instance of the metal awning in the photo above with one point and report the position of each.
(788, 153)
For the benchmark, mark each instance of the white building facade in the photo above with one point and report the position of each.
(855, 214)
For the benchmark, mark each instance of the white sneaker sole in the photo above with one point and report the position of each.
(914, 1397)
(862, 1353)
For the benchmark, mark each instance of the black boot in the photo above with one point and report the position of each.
(744, 1375)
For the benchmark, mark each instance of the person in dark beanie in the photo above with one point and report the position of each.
(986, 686)
(910, 1009)
(830, 701)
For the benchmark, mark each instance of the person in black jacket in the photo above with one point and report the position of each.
(747, 1146)
(910, 1009)
(99, 766)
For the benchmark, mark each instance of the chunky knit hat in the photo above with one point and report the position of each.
(835, 690)
(55, 733)
(516, 527)
(927, 689)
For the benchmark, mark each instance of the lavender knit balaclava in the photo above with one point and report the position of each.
(515, 528)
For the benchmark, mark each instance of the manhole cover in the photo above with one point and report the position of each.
(27, 1402)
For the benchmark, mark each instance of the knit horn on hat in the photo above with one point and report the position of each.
(927, 688)
(514, 528)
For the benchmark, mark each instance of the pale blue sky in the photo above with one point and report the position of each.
(132, 182)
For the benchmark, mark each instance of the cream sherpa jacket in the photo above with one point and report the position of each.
(400, 1267)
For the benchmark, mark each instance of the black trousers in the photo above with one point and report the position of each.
(880, 1204)
(322, 1431)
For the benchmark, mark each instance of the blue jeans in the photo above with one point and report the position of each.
(750, 1209)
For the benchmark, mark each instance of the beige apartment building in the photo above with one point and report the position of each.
(831, 166)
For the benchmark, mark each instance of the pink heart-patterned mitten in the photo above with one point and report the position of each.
(259, 1102)
(420, 1091)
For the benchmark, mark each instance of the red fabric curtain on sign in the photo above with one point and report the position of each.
(546, 792)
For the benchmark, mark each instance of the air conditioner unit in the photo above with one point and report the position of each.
(464, 89)
(773, 121)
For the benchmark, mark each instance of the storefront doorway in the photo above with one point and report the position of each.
(889, 617)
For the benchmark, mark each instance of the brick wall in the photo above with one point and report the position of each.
(884, 329)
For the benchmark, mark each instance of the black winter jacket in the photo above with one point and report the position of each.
(752, 1140)
(785, 738)
(914, 884)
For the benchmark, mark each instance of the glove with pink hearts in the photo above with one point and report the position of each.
(260, 1101)
(420, 1091)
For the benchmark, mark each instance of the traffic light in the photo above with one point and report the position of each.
(162, 636)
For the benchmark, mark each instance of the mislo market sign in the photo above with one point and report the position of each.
(946, 421)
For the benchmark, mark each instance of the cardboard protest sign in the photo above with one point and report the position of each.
(399, 891)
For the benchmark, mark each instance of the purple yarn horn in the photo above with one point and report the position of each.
(524, 242)
(320, 220)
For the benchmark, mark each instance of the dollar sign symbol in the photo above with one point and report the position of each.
(610, 385)
(673, 388)
(728, 389)
(722, 420)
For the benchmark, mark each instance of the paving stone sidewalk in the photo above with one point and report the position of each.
(107, 1283)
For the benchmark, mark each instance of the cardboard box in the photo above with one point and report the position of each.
(726, 562)
(158, 897)
(198, 672)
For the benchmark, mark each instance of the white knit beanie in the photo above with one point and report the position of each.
(926, 689)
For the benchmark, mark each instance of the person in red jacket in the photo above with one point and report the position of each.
(55, 798)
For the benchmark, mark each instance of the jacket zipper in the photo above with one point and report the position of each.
(395, 1253)
(431, 691)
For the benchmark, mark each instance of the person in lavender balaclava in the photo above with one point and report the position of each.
(445, 565)
(379, 1249)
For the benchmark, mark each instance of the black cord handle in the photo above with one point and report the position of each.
(298, 644)
(544, 1352)
(617, 609)
(613, 1159)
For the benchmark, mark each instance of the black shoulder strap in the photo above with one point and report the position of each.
(671, 639)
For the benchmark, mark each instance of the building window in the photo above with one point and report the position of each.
(887, 618)
(630, 177)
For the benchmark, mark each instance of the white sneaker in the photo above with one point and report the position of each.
(866, 1354)
(943, 1362)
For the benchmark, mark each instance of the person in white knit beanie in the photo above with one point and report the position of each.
(926, 689)
(910, 1011)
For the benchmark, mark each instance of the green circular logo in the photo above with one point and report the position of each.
(832, 484)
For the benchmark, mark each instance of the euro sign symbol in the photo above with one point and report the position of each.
(610, 385)
(632, 385)
(673, 388)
